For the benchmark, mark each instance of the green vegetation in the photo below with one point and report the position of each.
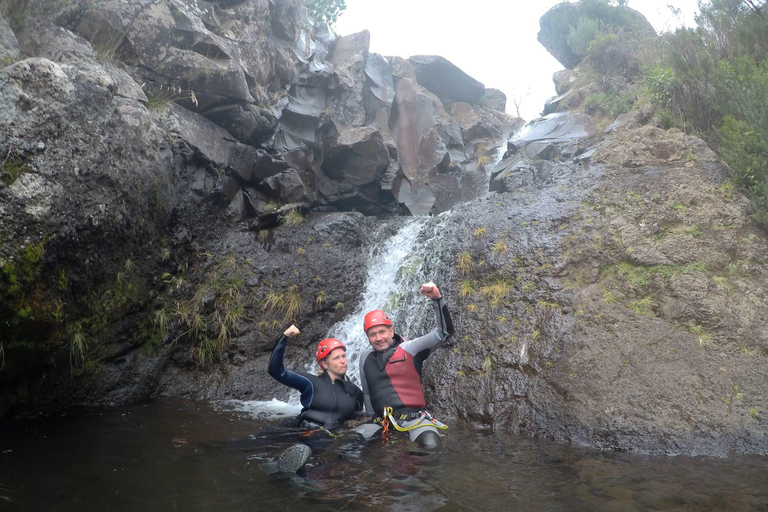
(11, 168)
(701, 334)
(638, 276)
(480, 232)
(291, 218)
(464, 263)
(210, 317)
(162, 97)
(15, 11)
(710, 81)
(325, 11)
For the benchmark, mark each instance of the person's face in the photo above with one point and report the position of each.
(336, 362)
(380, 337)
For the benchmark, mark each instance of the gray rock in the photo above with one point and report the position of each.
(9, 45)
(494, 99)
(446, 80)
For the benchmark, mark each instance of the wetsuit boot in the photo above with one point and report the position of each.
(429, 439)
(291, 460)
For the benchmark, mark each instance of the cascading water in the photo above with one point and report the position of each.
(396, 269)
(397, 266)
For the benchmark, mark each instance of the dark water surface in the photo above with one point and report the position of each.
(198, 457)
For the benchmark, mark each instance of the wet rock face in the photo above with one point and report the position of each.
(616, 305)
(93, 180)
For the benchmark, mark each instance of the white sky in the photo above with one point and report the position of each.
(494, 41)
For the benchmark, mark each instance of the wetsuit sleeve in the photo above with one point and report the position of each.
(277, 369)
(432, 340)
(364, 382)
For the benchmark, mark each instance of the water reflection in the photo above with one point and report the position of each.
(191, 456)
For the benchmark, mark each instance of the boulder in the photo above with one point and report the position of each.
(557, 23)
(494, 99)
(357, 156)
(446, 80)
(286, 187)
(647, 145)
(250, 124)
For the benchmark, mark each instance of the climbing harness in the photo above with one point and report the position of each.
(425, 419)
(386, 432)
(308, 433)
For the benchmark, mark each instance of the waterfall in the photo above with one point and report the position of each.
(396, 269)
(397, 266)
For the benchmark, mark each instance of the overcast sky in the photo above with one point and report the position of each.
(494, 42)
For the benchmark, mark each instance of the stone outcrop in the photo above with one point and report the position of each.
(556, 25)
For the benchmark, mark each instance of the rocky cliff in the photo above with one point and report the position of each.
(184, 178)
(158, 160)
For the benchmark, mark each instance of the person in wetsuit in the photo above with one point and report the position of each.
(327, 399)
(390, 370)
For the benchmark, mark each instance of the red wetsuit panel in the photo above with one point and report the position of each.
(402, 373)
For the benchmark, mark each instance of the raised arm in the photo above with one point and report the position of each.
(443, 324)
(276, 368)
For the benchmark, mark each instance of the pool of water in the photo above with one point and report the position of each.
(191, 456)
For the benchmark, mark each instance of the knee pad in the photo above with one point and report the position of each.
(429, 439)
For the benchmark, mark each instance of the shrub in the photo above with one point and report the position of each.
(326, 11)
(580, 37)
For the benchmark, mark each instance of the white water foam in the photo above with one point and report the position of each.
(269, 410)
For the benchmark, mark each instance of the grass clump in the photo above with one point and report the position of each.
(291, 218)
(11, 168)
(703, 337)
(464, 263)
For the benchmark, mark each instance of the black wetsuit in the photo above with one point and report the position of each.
(393, 378)
(324, 401)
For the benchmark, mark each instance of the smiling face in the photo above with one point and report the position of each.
(380, 337)
(336, 363)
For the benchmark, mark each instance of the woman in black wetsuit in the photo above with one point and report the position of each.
(327, 399)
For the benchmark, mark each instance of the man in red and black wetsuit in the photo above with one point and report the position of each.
(390, 370)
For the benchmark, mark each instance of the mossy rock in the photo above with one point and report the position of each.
(557, 23)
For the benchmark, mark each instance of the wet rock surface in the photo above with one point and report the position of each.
(611, 306)
(609, 291)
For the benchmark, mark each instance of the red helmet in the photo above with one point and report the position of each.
(326, 346)
(376, 317)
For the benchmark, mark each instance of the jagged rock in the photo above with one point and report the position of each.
(213, 142)
(358, 156)
(557, 22)
(284, 18)
(424, 134)
(9, 45)
(559, 127)
(348, 58)
(286, 187)
(494, 99)
(301, 118)
(250, 124)
(379, 93)
(446, 80)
